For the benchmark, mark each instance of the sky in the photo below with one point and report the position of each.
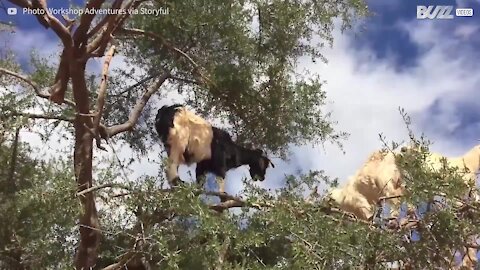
(430, 68)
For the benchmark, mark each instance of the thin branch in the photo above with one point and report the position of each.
(384, 198)
(171, 47)
(223, 253)
(138, 108)
(99, 44)
(117, 4)
(125, 259)
(94, 48)
(161, 39)
(185, 80)
(226, 205)
(86, 19)
(13, 161)
(95, 188)
(35, 87)
(221, 195)
(102, 92)
(140, 82)
(40, 116)
(47, 20)
(62, 32)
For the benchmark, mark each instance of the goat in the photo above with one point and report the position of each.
(349, 200)
(378, 177)
(188, 139)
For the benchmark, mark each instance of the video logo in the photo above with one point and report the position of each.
(434, 12)
(12, 11)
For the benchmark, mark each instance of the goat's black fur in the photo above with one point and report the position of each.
(164, 121)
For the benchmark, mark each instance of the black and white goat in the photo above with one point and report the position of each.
(188, 139)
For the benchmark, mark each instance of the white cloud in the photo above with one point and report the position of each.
(22, 42)
(465, 31)
(465, 3)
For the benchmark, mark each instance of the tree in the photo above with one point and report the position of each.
(208, 50)
(231, 60)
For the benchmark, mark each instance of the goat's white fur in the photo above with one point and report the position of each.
(378, 177)
(192, 134)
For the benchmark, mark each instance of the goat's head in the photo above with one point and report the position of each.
(259, 164)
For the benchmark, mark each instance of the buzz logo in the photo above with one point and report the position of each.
(434, 12)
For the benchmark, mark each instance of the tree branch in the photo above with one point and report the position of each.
(13, 162)
(384, 198)
(226, 205)
(102, 92)
(57, 91)
(35, 87)
(223, 253)
(171, 47)
(47, 20)
(122, 263)
(140, 82)
(80, 35)
(185, 80)
(41, 116)
(99, 44)
(138, 108)
(95, 188)
(117, 4)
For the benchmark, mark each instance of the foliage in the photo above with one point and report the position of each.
(235, 61)
(38, 210)
(176, 229)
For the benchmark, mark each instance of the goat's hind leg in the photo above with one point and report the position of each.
(200, 173)
(220, 183)
(220, 165)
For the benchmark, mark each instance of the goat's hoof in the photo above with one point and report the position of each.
(176, 182)
(392, 224)
(201, 183)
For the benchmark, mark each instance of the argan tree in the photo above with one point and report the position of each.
(232, 59)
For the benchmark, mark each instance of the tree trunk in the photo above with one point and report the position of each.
(86, 255)
(89, 234)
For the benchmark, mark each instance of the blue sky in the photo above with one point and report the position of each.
(429, 67)
(384, 37)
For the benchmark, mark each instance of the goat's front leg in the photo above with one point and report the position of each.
(172, 169)
(172, 173)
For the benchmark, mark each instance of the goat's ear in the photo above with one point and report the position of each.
(260, 151)
(269, 162)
